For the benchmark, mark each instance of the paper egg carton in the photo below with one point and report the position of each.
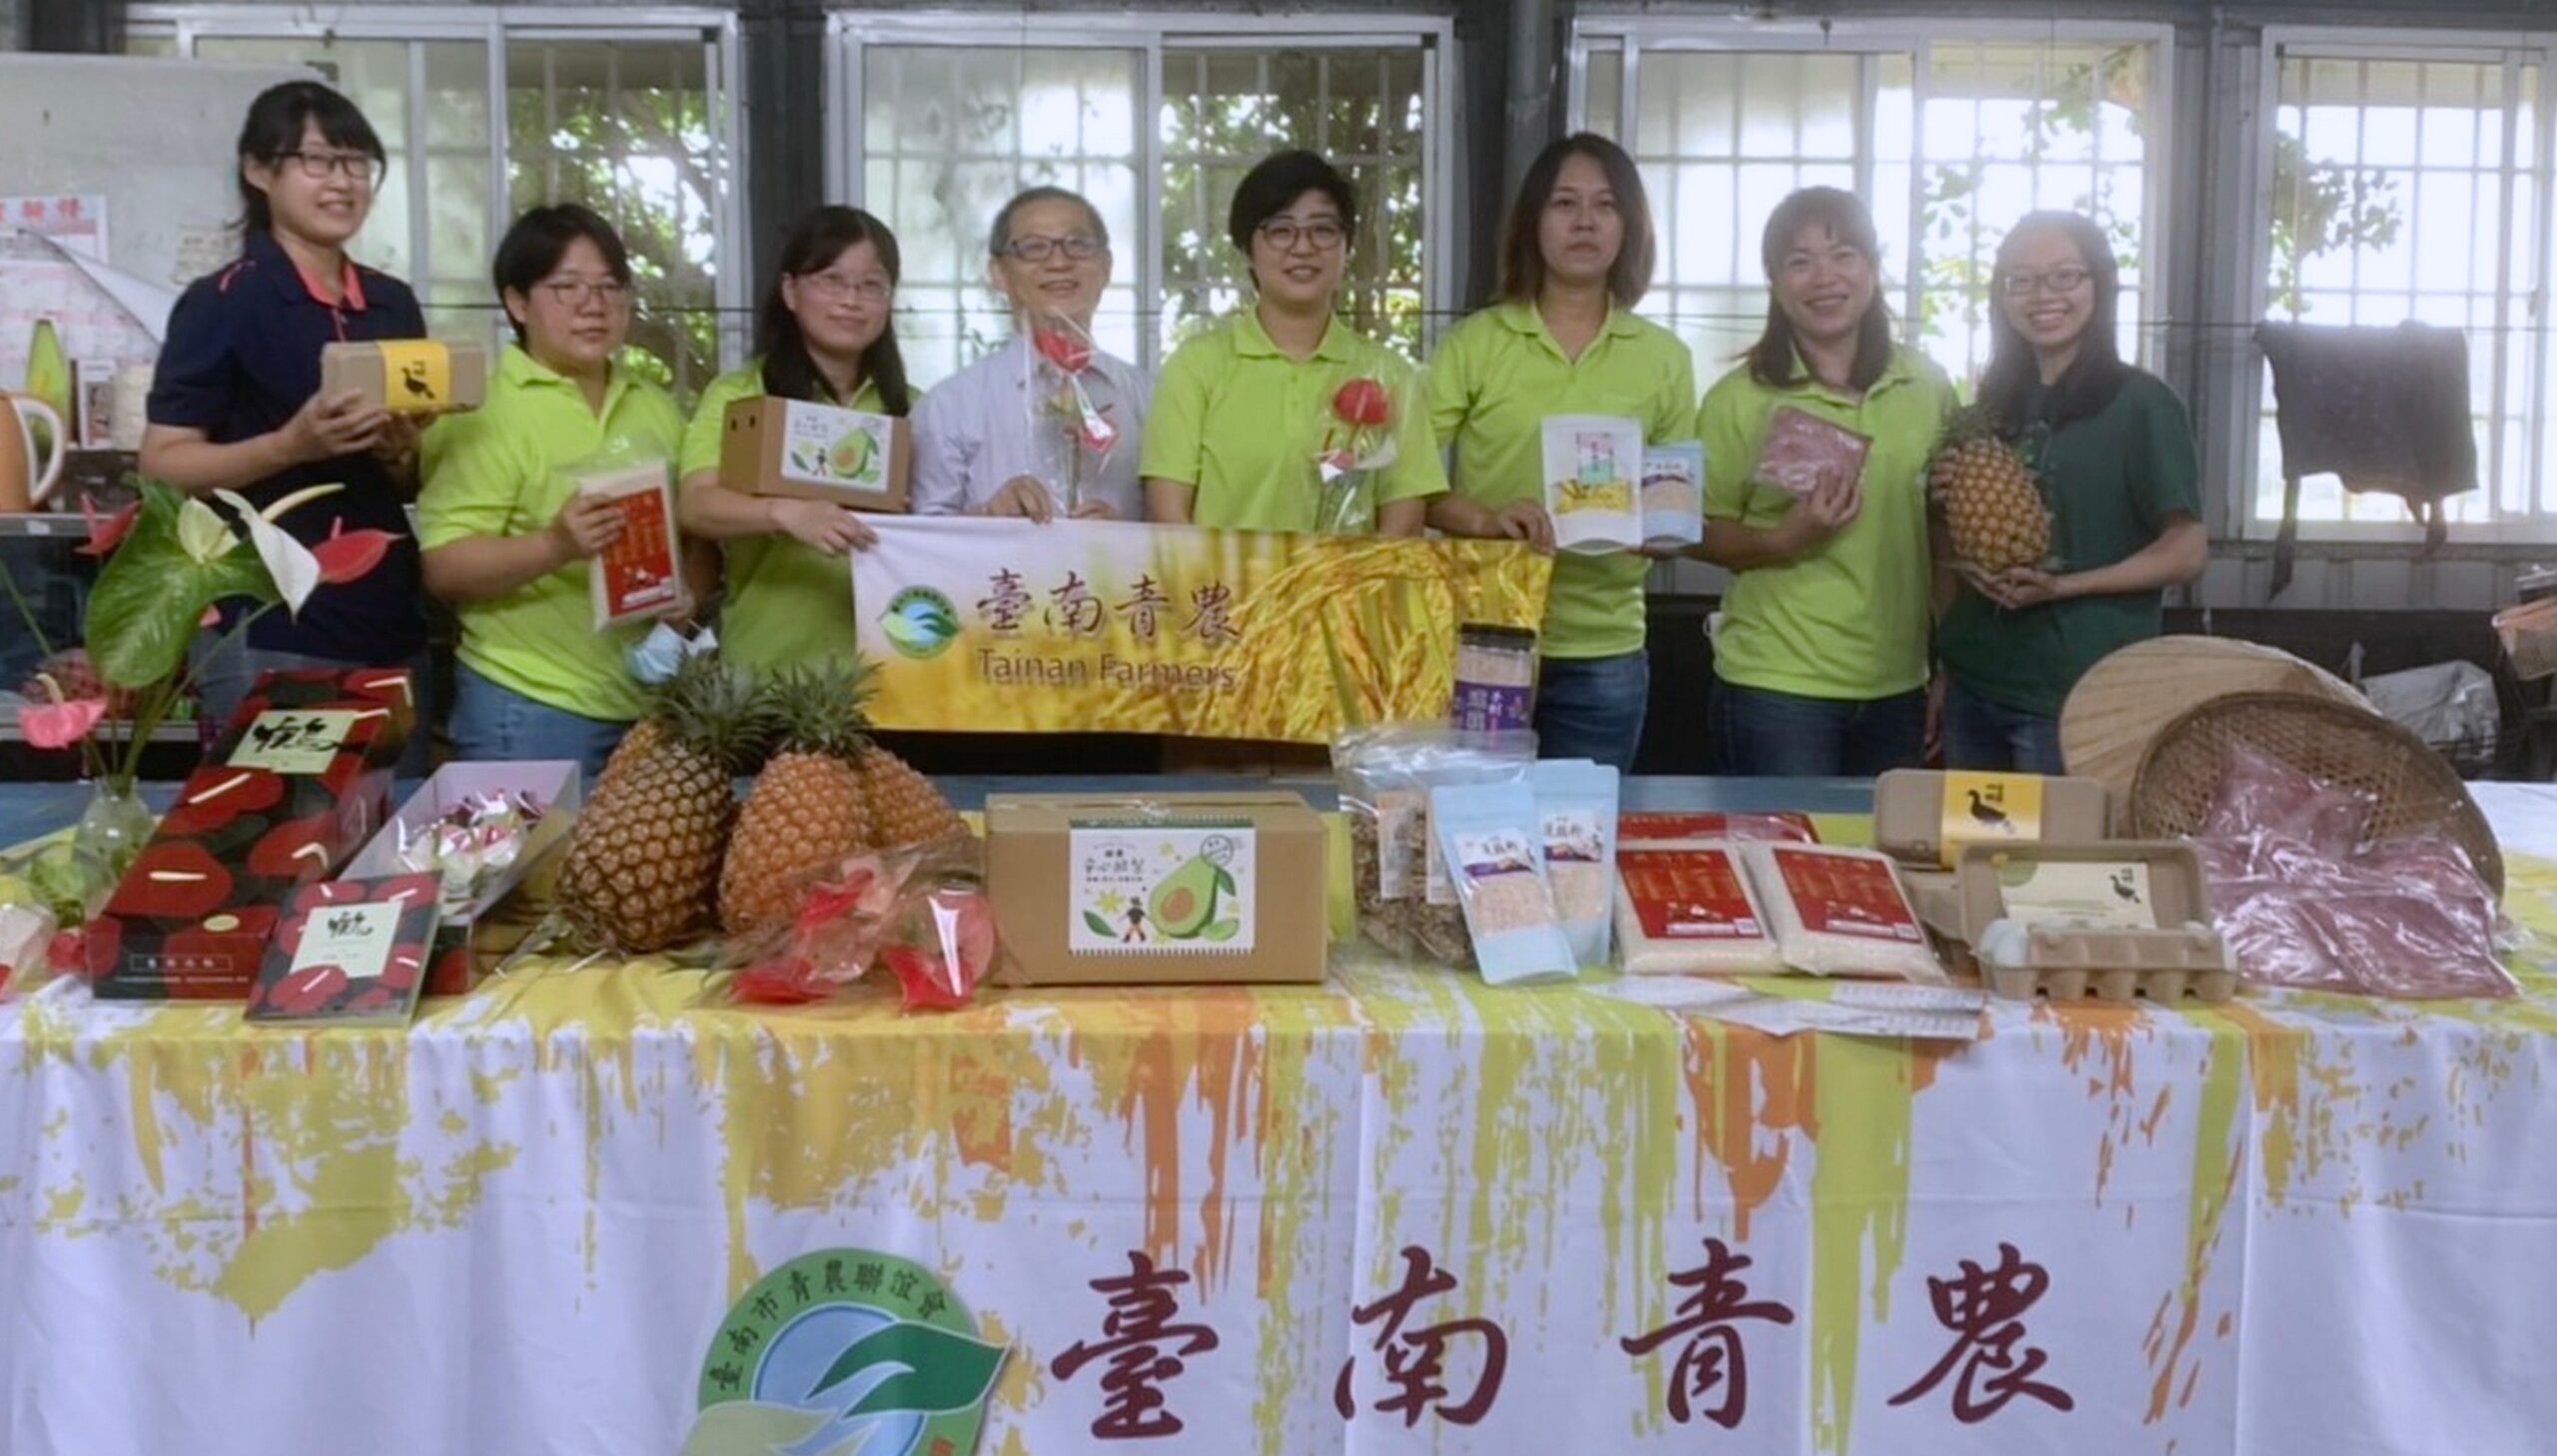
(2179, 957)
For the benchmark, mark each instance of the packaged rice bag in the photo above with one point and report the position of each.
(1576, 805)
(1840, 912)
(1406, 905)
(1659, 826)
(1494, 849)
(1684, 908)
(1673, 494)
(1803, 452)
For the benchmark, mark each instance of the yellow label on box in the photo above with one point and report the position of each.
(1990, 809)
(416, 376)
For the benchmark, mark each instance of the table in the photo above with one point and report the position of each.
(592, 1210)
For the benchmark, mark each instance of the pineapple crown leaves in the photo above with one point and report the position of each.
(718, 709)
(822, 707)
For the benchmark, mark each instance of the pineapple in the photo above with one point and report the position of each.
(642, 867)
(1992, 509)
(904, 806)
(807, 809)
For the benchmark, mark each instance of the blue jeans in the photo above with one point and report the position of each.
(1982, 736)
(1762, 734)
(1592, 707)
(223, 677)
(491, 722)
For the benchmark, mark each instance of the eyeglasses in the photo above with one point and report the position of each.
(1323, 234)
(572, 293)
(836, 288)
(2058, 280)
(318, 166)
(1036, 247)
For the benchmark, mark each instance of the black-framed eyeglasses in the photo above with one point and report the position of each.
(571, 292)
(319, 166)
(1323, 234)
(2063, 280)
(1038, 248)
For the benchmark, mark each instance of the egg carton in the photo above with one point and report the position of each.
(2176, 957)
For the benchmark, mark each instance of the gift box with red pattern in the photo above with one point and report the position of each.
(301, 779)
(350, 951)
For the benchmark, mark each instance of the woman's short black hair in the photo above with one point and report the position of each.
(1274, 184)
(275, 126)
(532, 248)
(1000, 236)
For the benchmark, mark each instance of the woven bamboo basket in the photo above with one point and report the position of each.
(2124, 702)
(2413, 787)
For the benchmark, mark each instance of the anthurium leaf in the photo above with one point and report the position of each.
(938, 1370)
(151, 594)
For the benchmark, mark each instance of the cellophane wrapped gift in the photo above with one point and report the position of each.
(920, 910)
(1077, 420)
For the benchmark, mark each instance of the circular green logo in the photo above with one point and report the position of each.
(840, 1351)
(919, 623)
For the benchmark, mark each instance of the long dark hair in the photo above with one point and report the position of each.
(1775, 360)
(1522, 253)
(273, 126)
(2089, 384)
(812, 247)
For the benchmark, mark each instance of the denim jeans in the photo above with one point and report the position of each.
(224, 677)
(1762, 734)
(1592, 707)
(1980, 735)
(492, 722)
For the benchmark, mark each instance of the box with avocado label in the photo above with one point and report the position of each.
(1164, 889)
(815, 452)
(408, 375)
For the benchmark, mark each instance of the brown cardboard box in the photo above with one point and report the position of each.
(409, 375)
(1922, 817)
(816, 453)
(1163, 890)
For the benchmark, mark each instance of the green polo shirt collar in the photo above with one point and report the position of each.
(1251, 341)
(518, 368)
(1527, 319)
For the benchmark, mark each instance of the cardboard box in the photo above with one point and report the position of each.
(816, 453)
(299, 781)
(409, 375)
(1922, 817)
(1163, 890)
(472, 939)
(2114, 921)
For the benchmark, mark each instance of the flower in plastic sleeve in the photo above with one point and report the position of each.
(944, 944)
(1362, 404)
(1060, 346)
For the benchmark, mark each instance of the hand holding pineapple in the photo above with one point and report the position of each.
(1992, 509)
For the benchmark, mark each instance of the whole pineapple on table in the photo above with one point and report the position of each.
(642, 869)
(1994, 510)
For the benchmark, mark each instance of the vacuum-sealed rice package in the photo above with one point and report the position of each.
(1406, 905)
(1660, 826)
(1495, 851)
(1840, 912)
(1576, 805)
(1684, 908)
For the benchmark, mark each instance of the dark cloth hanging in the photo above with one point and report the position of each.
(2384, 410)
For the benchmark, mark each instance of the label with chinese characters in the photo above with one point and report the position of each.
(356, 939)
(293, 740)
(1593, 466)
(416, 376)
(1988, 808)
(1636, 825)
(1687, 895)
(2114, 894)
(1847, 895)
(840, 448)
(637, 574)
(1138, 886)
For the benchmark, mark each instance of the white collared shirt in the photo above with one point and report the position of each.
(975, 431)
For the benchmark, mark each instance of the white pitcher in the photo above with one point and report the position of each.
(22, 486)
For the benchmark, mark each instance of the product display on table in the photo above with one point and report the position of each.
(408, 375)
(350, 951)
(1881, 1009)
(1593, 470)
(300, 781)
(1802, 453)
(639, 576)
(2112, 921)
(479, 828)
(1673, 494)
(1684, 906)
(1576, 807)
(1839, 911)
(1652, 826)
(1924, 816)
(921, 911)
(811, 452)
(1993, 508)
(1406, 905)
(1493, 849)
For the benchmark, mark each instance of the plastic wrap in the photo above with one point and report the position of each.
(1664, 826)
(1840, 912)
(1803, 453)
(1074, 415)
(920, 910)
(1356, 436)
(1406, 905)
(1685, 908)
(2260, 794)
(1576, 807)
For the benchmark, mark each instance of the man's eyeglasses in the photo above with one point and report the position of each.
(1323, 234)
(572, 293)
(1036, 247)
(319, 166)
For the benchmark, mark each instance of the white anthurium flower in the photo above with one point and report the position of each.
(202, 532)
(294, 569)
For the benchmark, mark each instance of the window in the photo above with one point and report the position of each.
(484, 115)
(2411, 184)
(1951, 136)
(1155, 120)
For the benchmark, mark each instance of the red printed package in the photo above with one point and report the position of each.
(1659, 826)
(1686, 909)
(350, 951)
(639, 576)
(1840, 912)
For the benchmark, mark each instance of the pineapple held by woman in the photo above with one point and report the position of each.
(1994, 510)
(642, 871)
(808, 808)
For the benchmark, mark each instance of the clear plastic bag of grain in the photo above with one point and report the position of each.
(1405, 901)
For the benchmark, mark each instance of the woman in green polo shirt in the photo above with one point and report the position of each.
(1821, 653)
(1576, 257)
(825, 334)
(506, 537)
(1240, 414)
(2115, 453)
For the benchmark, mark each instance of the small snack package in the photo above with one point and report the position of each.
(1673, 494)
(472, 845)
(1495, 679)
(1576, 805)
(1493, 848)
(1407, 903)
(1593, 468)
(1684, 908)
(1656, 826)
(1803, 453)
(1840, 912)
(639, 576)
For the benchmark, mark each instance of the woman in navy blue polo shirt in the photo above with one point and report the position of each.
(236, 403)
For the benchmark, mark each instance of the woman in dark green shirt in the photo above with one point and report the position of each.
(2115, 454)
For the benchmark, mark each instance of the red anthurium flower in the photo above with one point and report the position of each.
(1063, 350)
(60, 725)
(1362, 403)
(107, 531)
(348, 556)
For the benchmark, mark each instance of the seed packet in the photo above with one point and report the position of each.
(1576, 807)
(1593, 468)
(1494, 849)
(1407, 903)
(1673, 494)
(1802, 453)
